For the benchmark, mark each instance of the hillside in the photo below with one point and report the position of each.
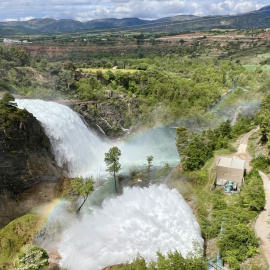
(256, 19)
(265, 10)
(51, 26)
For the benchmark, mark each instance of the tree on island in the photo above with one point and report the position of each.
(149, 160)
(83, 187)
(112, 162)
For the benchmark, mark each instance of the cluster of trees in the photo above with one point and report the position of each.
(195, 149)
(44, 80)
(173, 261)
(12, 57)
(183, 86)
(263, 118)
(9, 113)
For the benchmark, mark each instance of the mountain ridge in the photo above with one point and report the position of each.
(255, 19)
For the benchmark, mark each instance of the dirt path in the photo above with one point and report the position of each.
(244, 141)
(262, 227)
(242, 149)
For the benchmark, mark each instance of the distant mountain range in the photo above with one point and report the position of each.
(256, 19)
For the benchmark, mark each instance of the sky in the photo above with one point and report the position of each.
(86, 10)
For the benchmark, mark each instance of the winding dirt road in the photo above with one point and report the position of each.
(244, 141)
(262, 227)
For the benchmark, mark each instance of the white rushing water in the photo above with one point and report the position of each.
(75, 147)
(140, 221)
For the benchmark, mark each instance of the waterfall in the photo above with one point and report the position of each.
(75, 147)
(140, 221)
(102, 131)
(107, 123)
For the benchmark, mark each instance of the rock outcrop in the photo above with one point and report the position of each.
(111, 118)
(26, 157)
(29, 175)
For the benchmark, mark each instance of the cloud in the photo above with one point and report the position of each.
(145, 9)
(27, 18)
(10, 20)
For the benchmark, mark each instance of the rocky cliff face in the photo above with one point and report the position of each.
(110, 118)
(26, 158)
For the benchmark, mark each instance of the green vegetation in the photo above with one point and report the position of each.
(237, 240)
(173, 261)
(236, 244)
(195, 149)
(228, 219)
(104, 70)
(157, 82)
(243, 125)
(34, 258)
(12, 57)
(166, 169)
(83, 187)
(261, 162)
(163, 88)
(15, 235)
(182, 135)
(253, 195)
(112, 162)
(9, 113)
(255, 67)
(149, 161)
(234, 214)
(263, 119)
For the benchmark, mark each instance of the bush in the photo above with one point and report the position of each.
(173, 261)
(253, 194)
(243, 125)
(34, 258)
(9, 112)
(260, 163)
(236, 243)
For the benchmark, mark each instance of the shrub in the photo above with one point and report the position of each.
(253, 194)
(236, 243)
(173, 261)
(260, 163)
(34, 258)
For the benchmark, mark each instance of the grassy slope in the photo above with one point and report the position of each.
(15, 235)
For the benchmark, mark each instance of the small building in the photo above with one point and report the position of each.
(10, 41)
(230, 169)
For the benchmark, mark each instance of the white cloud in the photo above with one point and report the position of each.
(10, 20)
(87, 9)
(27, 18)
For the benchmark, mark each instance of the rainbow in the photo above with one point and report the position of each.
(47, 211)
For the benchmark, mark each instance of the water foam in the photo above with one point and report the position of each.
(75, 147)
(140, 221)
